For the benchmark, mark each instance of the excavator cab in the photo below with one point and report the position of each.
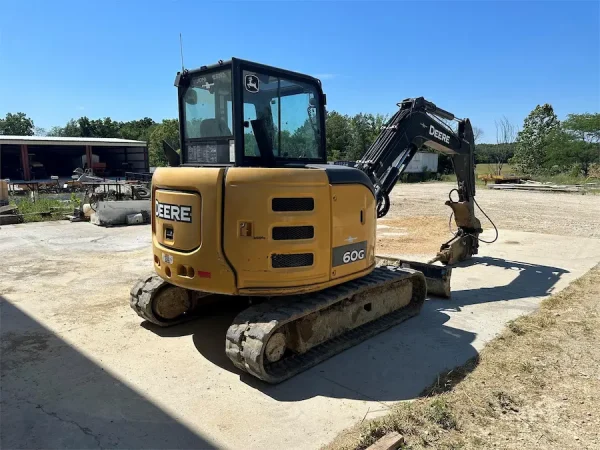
(251, 208)
(244, 114)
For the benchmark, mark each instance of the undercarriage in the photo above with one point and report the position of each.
(279, 337)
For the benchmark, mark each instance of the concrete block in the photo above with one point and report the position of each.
(115, 213)
(135, 219)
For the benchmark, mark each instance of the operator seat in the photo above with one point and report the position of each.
(214, 128)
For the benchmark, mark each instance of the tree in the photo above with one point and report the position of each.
(138, 130)
(575, 145)
(530, 153)
(505, 137)
(477, 134)
(301, 143)
(338, 135)
(365, 129)
(101, 128)
(566, 153)
(167, 131)
(71, 129)
(586, 126)
(17, 124)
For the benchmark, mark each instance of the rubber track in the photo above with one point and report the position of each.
(140, 300)
(251, 329)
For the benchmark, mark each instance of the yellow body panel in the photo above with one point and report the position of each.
(354, 220)
(189, 236)
(208, 258)
(248, 198)
(213, 229)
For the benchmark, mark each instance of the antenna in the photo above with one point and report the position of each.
(181, 50)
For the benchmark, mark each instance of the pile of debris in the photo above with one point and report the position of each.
(112, 202)
(9, 216)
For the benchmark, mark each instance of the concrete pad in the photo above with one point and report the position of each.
(79, 369)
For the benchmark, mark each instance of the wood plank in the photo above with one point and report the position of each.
(10, 219)
(8, 209)
(391, 441)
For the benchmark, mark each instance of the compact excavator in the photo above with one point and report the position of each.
(250, 207)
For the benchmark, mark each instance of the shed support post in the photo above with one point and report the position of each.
(25, 162)
(88, 154)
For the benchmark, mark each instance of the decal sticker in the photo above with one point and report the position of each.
(176, 213)
(347, 254)
(252, 83)
(167, 258)
(438, 134)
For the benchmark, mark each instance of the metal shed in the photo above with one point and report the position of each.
(423, 162)
(41, 157)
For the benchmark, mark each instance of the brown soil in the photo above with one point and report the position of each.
(540, 212)
(411, 235)
(535, 386)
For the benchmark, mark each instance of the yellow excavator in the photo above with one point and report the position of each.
(250, 207)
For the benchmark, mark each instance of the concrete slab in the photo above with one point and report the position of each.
(79, 370)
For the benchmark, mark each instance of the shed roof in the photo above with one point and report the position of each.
(51, 140)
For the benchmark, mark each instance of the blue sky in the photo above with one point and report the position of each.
(64, 59)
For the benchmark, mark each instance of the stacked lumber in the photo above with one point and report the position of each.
(8, 215)
(545, 187)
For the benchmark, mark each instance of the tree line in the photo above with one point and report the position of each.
(544, 145)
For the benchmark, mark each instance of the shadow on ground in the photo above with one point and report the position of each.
(392, 366)
(532, 280)
(55, 397)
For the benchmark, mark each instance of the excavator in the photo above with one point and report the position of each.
(250, 207)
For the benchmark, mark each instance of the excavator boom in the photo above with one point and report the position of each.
(419, 123)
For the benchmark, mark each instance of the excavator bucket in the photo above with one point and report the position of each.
(436, 277)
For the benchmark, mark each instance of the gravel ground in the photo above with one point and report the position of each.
(541, 212)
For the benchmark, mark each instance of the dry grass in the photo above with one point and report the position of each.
(535, 386)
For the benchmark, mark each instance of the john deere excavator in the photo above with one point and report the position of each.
(251, 208)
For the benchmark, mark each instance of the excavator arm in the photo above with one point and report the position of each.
(416, 124)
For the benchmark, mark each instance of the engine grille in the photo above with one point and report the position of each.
(292, 233)
(279, 261)
(293, 204)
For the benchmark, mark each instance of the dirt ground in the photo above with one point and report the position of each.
(411, 235)
(534, 386)
(539, 212)
(418, 221)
